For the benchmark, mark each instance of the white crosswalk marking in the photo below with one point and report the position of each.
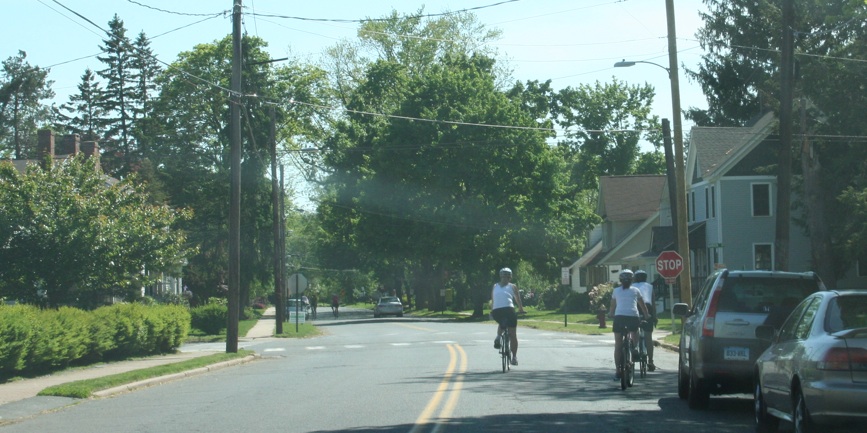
(275, 350)
(315, 347)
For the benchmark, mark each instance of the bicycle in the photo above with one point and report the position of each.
(506, 350)
(642, 350)
(627, 365)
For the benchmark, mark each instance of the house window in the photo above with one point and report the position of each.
(763, 257)
(761, 199)
(713, 202)
(692, 206)
(706, 203)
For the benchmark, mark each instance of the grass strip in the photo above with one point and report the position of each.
(86, 388)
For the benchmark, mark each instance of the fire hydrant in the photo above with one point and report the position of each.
(600, 316)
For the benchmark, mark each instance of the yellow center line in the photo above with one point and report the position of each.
(425, 417)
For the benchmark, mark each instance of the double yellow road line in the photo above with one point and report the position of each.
(454, 378)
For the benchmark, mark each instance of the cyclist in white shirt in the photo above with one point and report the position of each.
(646, 290)
(626, 303)
(504, 296)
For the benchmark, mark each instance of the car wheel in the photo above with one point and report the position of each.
(800, 415)
(699, 396)
(682, 380)
(765, 423)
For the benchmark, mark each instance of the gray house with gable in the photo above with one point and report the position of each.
(731, 212)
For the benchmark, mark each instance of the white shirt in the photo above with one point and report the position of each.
(646, 290)
(503, 296)
(627, 301)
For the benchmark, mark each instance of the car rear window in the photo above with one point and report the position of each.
(388, 300)
(761, 294)
(847, 312)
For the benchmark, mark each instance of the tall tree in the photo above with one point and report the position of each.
(68, 239)
(191, 145)
(450, 194)
(145, 69)
(83, 113)
(22, 88)
(604, 124)
(118, 100)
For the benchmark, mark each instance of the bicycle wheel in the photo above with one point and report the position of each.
(642, 356)
(624, 361)
(629, 371)
(505, 351)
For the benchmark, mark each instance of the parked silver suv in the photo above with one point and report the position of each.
(718, 346)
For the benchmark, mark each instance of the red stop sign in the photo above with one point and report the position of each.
(669, 264)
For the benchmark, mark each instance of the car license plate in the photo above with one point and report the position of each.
(737, 354)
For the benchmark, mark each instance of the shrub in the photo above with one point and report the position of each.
(576, 303)
(210, 318)
(600, 296)
(16, 326)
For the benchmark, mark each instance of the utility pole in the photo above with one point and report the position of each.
(784, 167)
(276, 222)
(235, 195)
(682, 228)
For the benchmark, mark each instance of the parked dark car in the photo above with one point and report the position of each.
(718, 346)
(815, 371)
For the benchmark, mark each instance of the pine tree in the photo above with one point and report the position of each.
(145, 68)
(22, 87)
(82, 114)
(118, 99)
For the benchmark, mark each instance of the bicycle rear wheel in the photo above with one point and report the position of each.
(624, 362)
(505, 351)
(629, 370)
(642, 355)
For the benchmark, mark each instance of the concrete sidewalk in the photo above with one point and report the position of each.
(27, 388)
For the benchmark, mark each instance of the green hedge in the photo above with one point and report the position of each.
(210, 318)
(35, 341)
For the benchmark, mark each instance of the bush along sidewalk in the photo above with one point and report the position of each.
(35, 341)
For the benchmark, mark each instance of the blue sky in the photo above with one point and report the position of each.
(571, 42)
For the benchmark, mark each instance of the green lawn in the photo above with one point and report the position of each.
(86, 388)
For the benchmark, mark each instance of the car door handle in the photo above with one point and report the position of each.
(738, 322)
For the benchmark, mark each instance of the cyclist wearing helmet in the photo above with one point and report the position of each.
(646, 290)
(625, 306)
(504, 296)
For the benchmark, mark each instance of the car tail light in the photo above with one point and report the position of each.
(841, 358)
(709, 320)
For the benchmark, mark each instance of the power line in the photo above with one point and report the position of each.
(338, 20)
(224, 12)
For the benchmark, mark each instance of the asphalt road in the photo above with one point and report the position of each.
(407, 375)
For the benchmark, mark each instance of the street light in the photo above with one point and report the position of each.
(625, 64)
(682, 228)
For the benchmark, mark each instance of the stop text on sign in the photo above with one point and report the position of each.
(669, 265)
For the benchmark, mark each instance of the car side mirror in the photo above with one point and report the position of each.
(680, 310)
(765, 332)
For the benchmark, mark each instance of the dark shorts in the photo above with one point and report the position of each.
(625, 324)
(505, 316)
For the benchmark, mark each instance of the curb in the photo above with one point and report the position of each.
(670, 347)
(171, 377)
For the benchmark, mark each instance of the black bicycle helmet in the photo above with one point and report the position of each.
(640, 276)
(625, 276)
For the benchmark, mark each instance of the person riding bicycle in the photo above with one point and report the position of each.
(626, 303)
(504, 296)
(646, 290)
(335, 304)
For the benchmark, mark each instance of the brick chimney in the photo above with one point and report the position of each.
(90, 149)
(69, 145)
(45, 145)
